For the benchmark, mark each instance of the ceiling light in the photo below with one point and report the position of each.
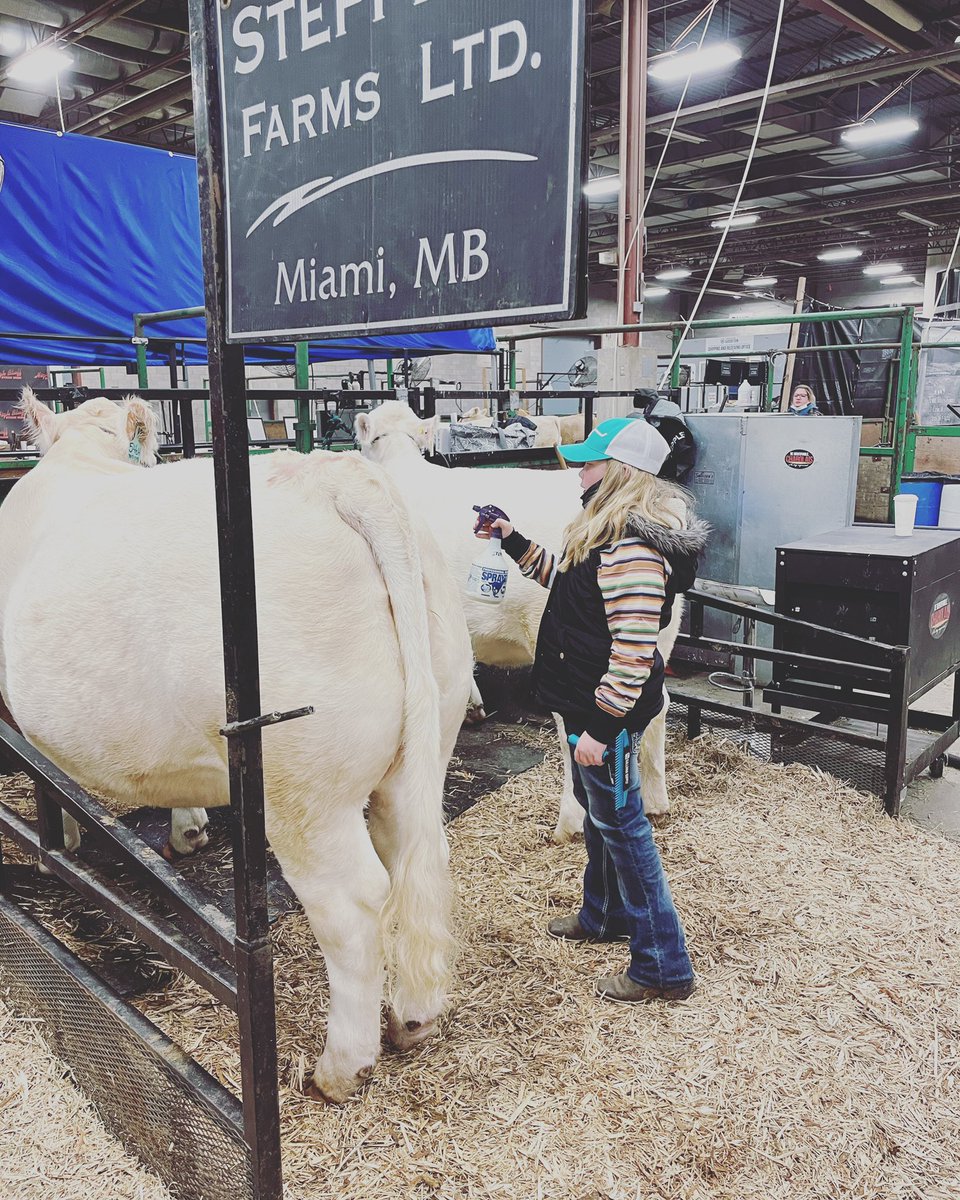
(651, 293)
(673, 273)
(885, 268)
(889, 130)
(39, 65)
(840, 254)
(761, 281)
(897, 279)
(11, 40)
(739, 219)
(602, 185)
(909, 216)
(678, 64)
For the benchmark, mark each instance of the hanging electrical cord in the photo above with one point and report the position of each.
(63, 128)
(648, 191)
(664, 379)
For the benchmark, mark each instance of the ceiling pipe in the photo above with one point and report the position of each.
(812, 85)
(896, 12)
(137, 106)
(770, 220)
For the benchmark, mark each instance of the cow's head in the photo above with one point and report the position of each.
(390, 423)
(126, 431)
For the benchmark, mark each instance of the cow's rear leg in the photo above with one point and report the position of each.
(422, 948)
(475, 710)
(343, 886)
(570, 817)
(653, 779)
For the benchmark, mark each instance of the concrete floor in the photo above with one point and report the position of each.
(935, 803)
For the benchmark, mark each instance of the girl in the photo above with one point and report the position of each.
(597, 664)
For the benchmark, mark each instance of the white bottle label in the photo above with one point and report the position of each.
(488, 575)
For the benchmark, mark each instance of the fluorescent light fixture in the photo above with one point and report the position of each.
(840, 254)
(889, 130)
(678, 64)
(602, 185)
(909, 216)
(733, 222)
(897, 279)
(651, 293)
(673, 273)
(883, 268)
(39, 65)
(761, 281)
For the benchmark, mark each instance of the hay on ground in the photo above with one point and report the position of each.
(819, 1058)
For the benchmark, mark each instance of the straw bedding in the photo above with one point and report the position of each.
(819, 1058)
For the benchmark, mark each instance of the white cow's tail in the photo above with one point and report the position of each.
(416, 917)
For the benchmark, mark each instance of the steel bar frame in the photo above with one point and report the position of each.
(884, 667)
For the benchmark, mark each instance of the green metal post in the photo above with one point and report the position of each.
(676, 336)
(142, 378)
(902, 415)
(303, 428)
(768, 398)
(103, 378)
(389, 374)
(512, 356)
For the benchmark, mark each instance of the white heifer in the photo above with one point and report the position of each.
(99, 432)
(113, 667)
(541, 504)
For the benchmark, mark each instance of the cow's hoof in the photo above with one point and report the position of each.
(656, 806)
(566, 833)
(404, 1035)
(475, 716)
(335, 1089)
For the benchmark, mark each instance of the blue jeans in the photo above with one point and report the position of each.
(625, 891)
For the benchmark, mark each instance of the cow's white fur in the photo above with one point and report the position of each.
(111, 663)
(541, 504)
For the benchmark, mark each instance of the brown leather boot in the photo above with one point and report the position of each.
(621, 989)
(569, 929)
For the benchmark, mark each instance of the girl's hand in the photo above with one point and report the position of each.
(588, 752)
(489, 517)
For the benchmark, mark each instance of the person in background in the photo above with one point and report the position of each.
(803, 403)
(597, 664)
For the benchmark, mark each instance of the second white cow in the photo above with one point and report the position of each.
(542, 504)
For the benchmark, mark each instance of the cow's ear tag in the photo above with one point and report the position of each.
(134, 451)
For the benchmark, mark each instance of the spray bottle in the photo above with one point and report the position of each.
(487, 580)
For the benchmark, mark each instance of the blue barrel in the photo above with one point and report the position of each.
(928, 493)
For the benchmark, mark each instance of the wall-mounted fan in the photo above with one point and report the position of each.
(583, 373)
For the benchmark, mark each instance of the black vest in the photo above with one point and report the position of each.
(574, 642)
(573, 653)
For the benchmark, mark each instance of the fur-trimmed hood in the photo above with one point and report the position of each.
(671, 543)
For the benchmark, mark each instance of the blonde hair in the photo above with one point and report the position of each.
(802, 387)
(624, 493)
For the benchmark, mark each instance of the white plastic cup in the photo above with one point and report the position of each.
(904, 514)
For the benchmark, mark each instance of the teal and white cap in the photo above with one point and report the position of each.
(628, 440)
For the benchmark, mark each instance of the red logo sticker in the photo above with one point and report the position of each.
(798, 459)
(940, 615)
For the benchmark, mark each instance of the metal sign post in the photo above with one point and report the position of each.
(228, 404)
(392, 166)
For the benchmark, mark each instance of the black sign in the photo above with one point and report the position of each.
(400, 164)
(799, 459)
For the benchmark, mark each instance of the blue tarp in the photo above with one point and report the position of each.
(93, 231)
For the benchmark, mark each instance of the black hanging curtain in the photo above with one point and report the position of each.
(857, 381)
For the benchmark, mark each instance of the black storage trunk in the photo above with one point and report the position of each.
(866, 581)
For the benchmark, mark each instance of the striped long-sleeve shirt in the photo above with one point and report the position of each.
(632, 580)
